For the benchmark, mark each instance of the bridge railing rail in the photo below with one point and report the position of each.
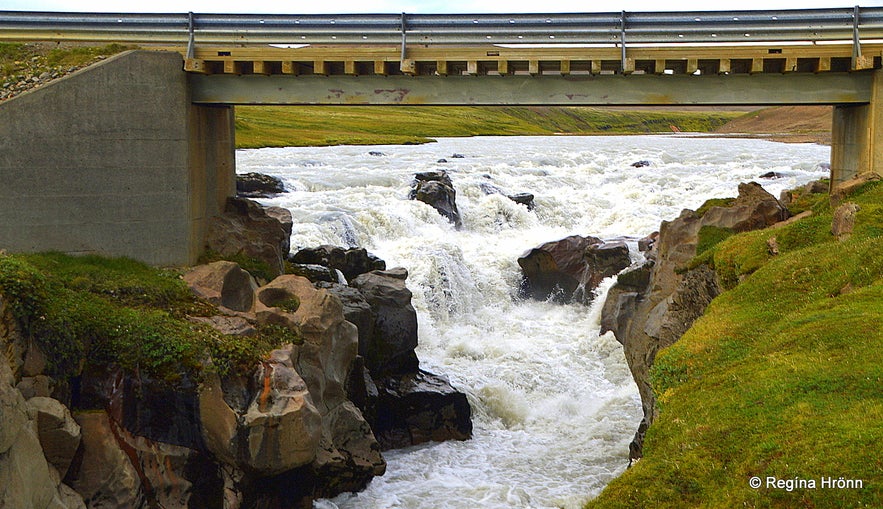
(618, 28)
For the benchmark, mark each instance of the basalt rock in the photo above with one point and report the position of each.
(349, 261)
(571, 268)
(390, 343)
(652, 306)
(258, 185)
(224, 284)
(436, 189)
(419, 407)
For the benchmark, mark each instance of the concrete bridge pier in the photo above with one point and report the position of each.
(857, 136)
(117, 160)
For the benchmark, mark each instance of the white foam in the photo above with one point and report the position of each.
(554, 404)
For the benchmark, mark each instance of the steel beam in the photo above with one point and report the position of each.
(758, 89)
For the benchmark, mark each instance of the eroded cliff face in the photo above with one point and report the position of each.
(652, 306)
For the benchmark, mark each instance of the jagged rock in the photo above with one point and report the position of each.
(349, 261)
(105, 475)
(419, 407)
(223, 284)
(753, 209)
(605, 260)
(245, 228)
(647, 243)
(283, 215)
(525, 199)
(648, 315)
(313, 272)
(357, 311)
(258, 185)
(58, 432)
(393, 337)
(844, 221)
(282, 427)
(436, 189)
(771, 175)
(640, 164)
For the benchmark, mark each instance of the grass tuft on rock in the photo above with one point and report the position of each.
(90, 310)
(780, 378)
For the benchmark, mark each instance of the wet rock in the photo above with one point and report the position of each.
(247, 229)
(525, 199)
(376, 153)
(436, 189)
(419, 407)
(457, 156)
(622, 298)
(442, 160)
(349, 261)
(393, 336)
(647, 243)
(357, 311)
(771, 175)
(313, 272)
(258, 185)
(640, 164)
(570, 268)
(224, 284)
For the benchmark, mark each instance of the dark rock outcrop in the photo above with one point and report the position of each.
(258, 185)
(436, 189)
(525, 199)
(570, 268)
(418, 407)
(651, 307)
(349, 261)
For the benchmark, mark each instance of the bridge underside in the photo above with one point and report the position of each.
(601, 90)
(133, 156)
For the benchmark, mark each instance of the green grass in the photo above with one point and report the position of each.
(93, 311)
(278, 126)
(782, 376)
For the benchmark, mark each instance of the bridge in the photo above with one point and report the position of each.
(135, 155)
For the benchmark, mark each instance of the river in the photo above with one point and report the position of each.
(554, 405)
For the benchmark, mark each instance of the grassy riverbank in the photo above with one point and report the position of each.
(277, 126)
(780, 379)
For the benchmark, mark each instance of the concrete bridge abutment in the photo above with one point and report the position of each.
(857, 136)
(115, 160)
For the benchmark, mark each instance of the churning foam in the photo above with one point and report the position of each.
(554, 404)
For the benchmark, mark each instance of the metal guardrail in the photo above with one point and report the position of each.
(621, 28)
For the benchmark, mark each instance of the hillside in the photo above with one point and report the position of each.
(785, 123)
(775, 391)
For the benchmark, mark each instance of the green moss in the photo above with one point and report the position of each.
(97, 311)
(781, 377)
(710, 236)
(714, 202)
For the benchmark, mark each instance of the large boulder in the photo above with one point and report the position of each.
(419, 407)
(571, 268)
(247, 229)
(390, 343)
(258, 185)
(436, 189)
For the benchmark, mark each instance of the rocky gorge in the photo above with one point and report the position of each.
(309, 419)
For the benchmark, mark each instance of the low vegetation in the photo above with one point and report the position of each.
(780, 379)
(103, 311)
(279, 126)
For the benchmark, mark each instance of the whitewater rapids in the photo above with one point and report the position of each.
(554, 404)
